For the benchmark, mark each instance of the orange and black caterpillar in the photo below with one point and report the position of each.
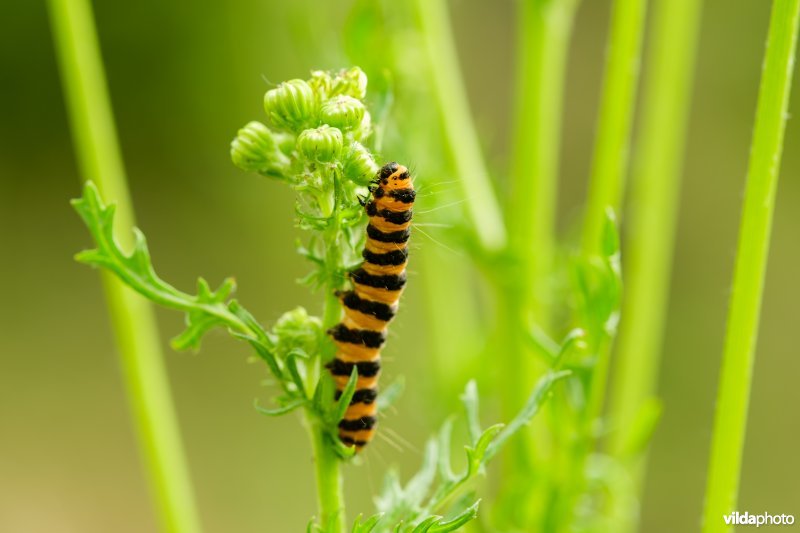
(371, 305)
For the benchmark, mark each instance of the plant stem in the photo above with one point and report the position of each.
(543, 36)
(652, 221)
(327, 464)
(544, 31)
(748, 281)
(327, 469)
(616, 117)
(460, 132)
(132, 317)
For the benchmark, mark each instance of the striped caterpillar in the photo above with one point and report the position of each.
(371, 305)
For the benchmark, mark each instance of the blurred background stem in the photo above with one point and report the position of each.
(133, 319)
(651, 223)
(733, 396)
(617, 106)
(543, 35)
(610, 160)
(460, 133)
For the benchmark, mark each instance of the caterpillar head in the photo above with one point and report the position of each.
(393, 176)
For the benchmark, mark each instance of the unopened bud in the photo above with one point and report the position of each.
(291, 105)
(254, 149)
(321, 144)
(350, 82)
(343, 112)
(360, 167)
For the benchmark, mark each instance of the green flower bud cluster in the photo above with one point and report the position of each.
(297, 331)
(333, 99)
(315, 125)
(315, 140)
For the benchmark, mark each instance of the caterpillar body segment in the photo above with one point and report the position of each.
(372, 303)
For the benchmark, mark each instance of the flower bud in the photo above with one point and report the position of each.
(343, 112)
(320, 83)
(350, 82)
(360, 167)
(291, 105)
(296, 330)
(321, 144)
(254, 147)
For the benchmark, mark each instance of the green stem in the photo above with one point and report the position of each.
(460, 132)
(544, 31)
(616, 116)
(652, 221)
(327, 464)
(327, 470)
(751, 261)
(132, 317)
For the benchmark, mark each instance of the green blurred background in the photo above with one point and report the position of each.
(183, 77)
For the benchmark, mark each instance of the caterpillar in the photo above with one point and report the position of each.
(373, 300)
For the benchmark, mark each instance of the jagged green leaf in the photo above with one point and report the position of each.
(471, 405)
(427, 524)
(368, 525)
(294, 371)
(575, 340)
(541, 342)
(532, 406)
(204, 310)
(323, 395)
(289, 405)
(476, 453)
(421, 500)
(460, 520)
(344, 400)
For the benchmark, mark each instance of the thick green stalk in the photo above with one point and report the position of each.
(544, 31)
(132, 317)
(327, 464)
(733, 396)
(617, 106)
(328, 474)
(460, 132)
(543, 37)
(655, 190)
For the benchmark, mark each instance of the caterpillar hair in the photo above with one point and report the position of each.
(372, 302)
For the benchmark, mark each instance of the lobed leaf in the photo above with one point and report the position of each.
(204, 310)
(460, 520)
(367, 526)
(289, 405)
(532, 406)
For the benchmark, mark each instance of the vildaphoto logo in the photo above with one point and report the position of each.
(764, 519)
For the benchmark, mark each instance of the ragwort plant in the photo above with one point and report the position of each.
(315, 144)
(318, 143)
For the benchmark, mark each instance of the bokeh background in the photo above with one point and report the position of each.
(183, 77)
